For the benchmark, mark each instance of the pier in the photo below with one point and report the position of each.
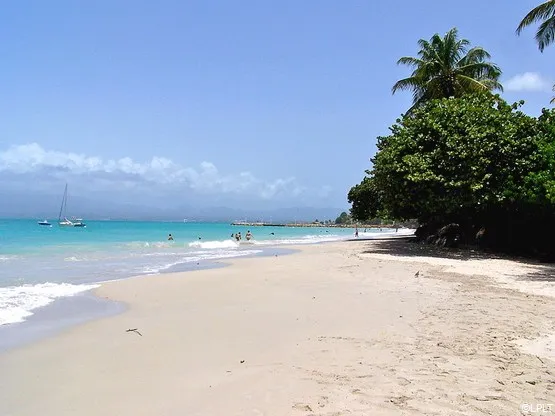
(259, 224)
(310, 224)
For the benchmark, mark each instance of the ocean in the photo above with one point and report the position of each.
(39, 264)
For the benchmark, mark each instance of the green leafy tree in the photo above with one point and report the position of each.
(453, 156)
(343, 218)
(544, 14)
(474, 160)
(365, 201)
(448, 67)
(540, 183)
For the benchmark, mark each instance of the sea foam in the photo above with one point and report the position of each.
(18, 302)
(210, 245)
(200, 256)
(7, 258)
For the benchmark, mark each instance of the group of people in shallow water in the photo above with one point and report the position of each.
(170, 237)
(248, 236)
(238, 236)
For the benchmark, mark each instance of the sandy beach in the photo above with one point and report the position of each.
(349, 328)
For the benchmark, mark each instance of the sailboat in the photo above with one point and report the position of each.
(65, 222)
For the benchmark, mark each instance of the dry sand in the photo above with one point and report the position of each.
(338, 329)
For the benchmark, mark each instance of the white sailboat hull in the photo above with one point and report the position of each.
(65, 222)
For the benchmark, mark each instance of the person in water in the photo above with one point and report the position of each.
(249, 235)
(170, 237)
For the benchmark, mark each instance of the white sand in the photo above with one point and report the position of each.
(329, 331)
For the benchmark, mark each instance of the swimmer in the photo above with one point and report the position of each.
(248, 235)
(170, 237)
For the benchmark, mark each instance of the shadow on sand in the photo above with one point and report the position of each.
(408, 247)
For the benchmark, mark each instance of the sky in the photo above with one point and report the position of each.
(261, 104)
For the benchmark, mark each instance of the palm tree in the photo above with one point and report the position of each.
(544, 13)
(448, 67)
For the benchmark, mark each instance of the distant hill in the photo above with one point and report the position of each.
(40, 205)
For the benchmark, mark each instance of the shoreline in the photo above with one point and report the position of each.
(64, 313)
(339, 327)
(12, 330)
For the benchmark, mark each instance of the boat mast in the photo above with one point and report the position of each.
(64, 199)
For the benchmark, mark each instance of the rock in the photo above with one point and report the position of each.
(449, 236)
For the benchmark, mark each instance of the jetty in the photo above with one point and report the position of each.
(258, 224)
(311, 224)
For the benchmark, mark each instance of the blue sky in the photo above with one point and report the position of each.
(250, 103)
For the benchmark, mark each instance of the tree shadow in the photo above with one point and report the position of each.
(409, 247)
(544, 273)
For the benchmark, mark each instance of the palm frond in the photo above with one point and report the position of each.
(474, 85)
(448, 67)
(492, 85)
(542, 12)
(410, 61)
(410, 83)
(475, 54)
(546, 33)
(481, 70)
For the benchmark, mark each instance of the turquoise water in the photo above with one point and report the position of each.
(39, 264)
(26, 237)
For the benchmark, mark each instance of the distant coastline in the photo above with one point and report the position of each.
(313, 225)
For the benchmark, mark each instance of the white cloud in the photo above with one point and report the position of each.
(529, 81)
(205, 179)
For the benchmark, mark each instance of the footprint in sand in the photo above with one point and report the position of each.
(302, 407)
(403, 381)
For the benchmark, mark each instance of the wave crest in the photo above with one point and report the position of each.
(208, 245)
(18, 302)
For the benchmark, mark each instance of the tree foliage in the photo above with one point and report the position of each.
(448, 67)
(364, 200)
(473, 160)
(343, 218)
